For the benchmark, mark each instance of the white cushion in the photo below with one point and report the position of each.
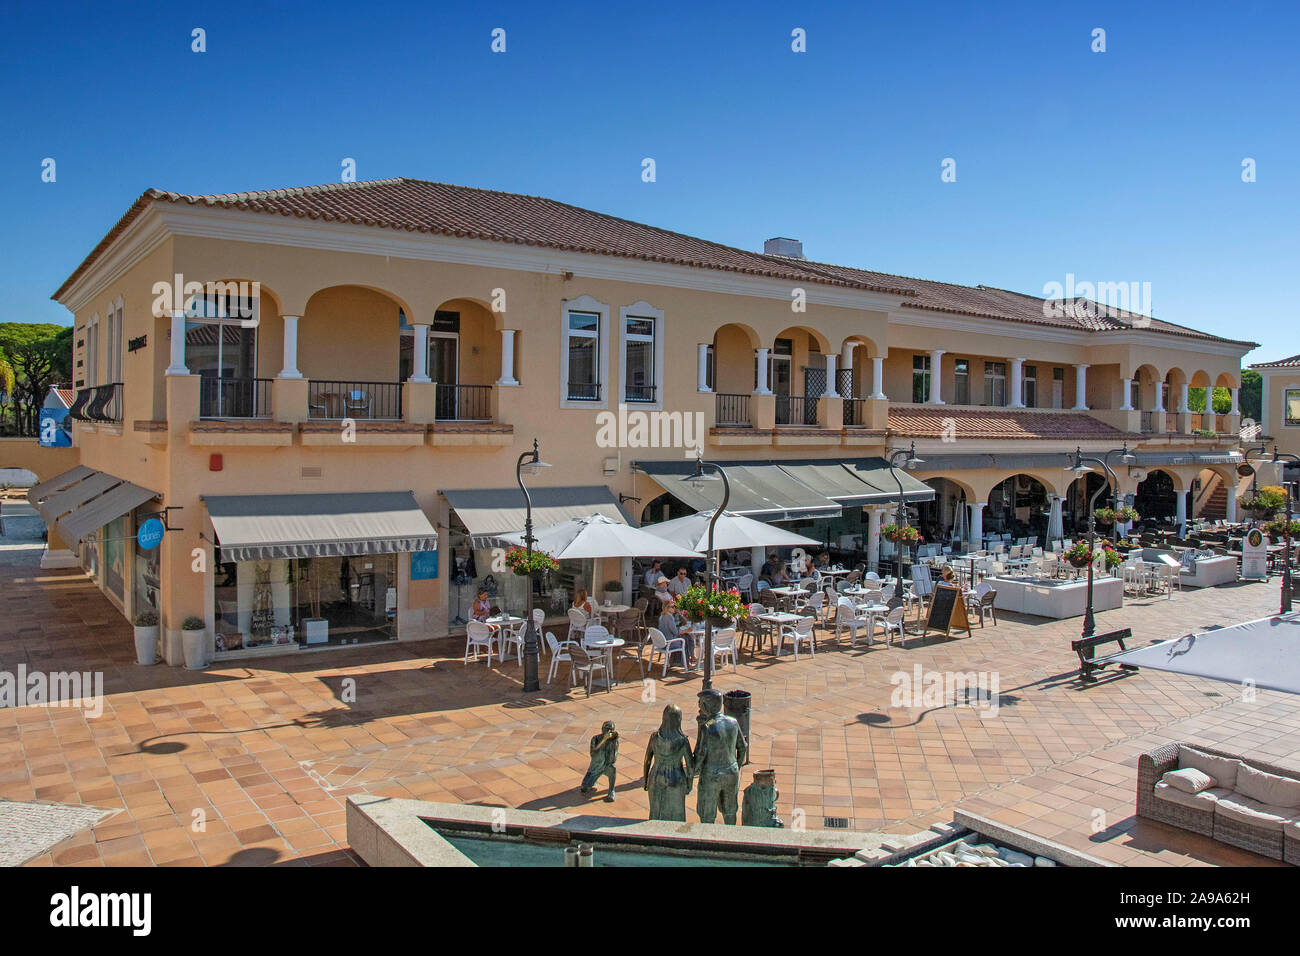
(1268, 788)
(1189, 780)
(1245, 810)
(1203, 800)
(1222, 769)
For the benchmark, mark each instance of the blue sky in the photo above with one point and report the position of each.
(1123, 166)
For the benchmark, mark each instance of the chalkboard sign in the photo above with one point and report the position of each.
(947, 610)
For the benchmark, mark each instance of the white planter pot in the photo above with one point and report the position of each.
(196, 648)
(146, 645)
(315, 630)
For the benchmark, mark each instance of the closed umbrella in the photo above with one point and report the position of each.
(732, 532)
(597, 536)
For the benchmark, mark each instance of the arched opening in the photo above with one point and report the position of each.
(230, 345)
(464, 356)
(730, 369)
(1018, 506)
(797, 374)
(348, 349)
(1074, 506)
(1156, 499)
(944, 518)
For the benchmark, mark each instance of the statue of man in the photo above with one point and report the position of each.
(604, 754)
(720, 749)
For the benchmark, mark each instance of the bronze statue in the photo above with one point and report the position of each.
(668, 769)
(758, 809)
(604, 754)
(720, 749)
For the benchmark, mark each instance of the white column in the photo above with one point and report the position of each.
(976, 524)
(1126, 391)
(936, 376)
(1235, 409)
(177, 366)
(1160, 399)
(1017, 383)
(420, 373)
(831, 391)
(846, 356)
(702, 368)
(507, 358)
(878, 377)
(873, 539)
(756, 558)
(1231, 488)
(1180, 512)
(290, 369)
(1081, 388)
(1182, 399)
(761, 388)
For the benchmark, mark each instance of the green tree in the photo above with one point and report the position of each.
(1251, 397)
(38, 355)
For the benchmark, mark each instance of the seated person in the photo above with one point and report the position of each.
(651, 577)
(824, 561)
(662, 593)
(670, 625)
(585, 604)
(769, 566)
(780, 577)
(680, 582)
(481, 609)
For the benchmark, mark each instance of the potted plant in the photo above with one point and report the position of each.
(900, 534)
(1080, 555)
(1105, 516)
(613, 592)
(1126, 514)
(146, 637)
(525, 563)
(194, 635)
(1113, 558)
(1279, 528)
(315, 629)
(721, 607)
(1270, 500)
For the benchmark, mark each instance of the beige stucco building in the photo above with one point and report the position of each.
(244, 359)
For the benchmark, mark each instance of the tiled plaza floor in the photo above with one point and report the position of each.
(250, 763)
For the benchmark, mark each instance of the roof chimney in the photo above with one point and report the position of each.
(790, 248)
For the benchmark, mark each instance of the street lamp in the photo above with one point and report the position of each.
(697, 478)
(530, 462)
(909, 459)
(1286, 532)
(1079, 468)
(1254, 472)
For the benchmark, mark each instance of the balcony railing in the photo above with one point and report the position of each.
(234, 397)
(584, 391)
(855, 411)
(370, 400)
(731, 410)
(463, 403)
(796, 410)
(98, 403)
(638, 393)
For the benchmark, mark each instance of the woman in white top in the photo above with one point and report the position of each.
(662, 593)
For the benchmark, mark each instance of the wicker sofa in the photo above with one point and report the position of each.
(1269, 827)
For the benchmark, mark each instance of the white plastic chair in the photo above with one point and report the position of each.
(892, 622)
(745, 584)
(724, 647)
(800, 631)
(846, 617)
(577, 624)
(661, 645)
(507, 636)
(587, 661)
(478, 634)
(559, 652)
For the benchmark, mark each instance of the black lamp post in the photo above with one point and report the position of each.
(696, 478)
(1254, 473)
(1079, 468)
(1286, 532)
(529, 463)
(909, 459)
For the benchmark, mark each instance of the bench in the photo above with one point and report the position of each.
(1086, 648)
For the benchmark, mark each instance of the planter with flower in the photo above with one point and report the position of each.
(1080, 555)
(720, 607)
(1269, 501)
(901, 534)
(1113, 558)
(146, 637)
(524, 562)
(1279, 528)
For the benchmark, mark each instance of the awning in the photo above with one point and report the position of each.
(70, 499)
(758, 490)
(489, 512)
(262, 527)
(42, 490)
(857, 481)
(98, 512)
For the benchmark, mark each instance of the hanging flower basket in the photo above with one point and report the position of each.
(525, 563)
(1079, 556)
(1268, 502)
(1279, 528)
(1126, 514)
(900, 534)
(719, 607)
(1113, 558)
(1104, 516)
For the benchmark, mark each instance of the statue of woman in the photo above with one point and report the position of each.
(668, 783)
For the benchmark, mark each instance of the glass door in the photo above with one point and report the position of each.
(444, 369)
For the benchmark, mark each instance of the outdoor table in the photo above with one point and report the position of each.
(499, 621)
(608, 645)
(774, 622)
(871, 610)
(606, 609)
(834, 572)
(788, 594)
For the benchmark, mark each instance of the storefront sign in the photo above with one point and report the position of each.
(424, 565)
(1254, 556)
(135, 345)
(150, 534)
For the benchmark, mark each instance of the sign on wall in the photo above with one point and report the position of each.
(56, 427)
(1254, 556)
(150, 534)
(424, 565)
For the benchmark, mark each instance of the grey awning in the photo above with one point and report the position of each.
(99, 511)
(70, 499)
(488, 512)
(858, 481)
(262, 527)
(42, 490)
(758, 490)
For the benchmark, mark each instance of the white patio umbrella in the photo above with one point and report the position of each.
(597, 536)
(1265, 652)
(732, 531)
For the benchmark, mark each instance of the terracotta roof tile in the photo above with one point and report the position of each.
(413, 205)
(998, 423)
(1292, 362)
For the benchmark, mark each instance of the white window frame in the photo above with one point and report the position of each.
(1286, 422)
(91, 371)
(584, 303)
(1029, 377)
(991, 378)
(640, 310)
